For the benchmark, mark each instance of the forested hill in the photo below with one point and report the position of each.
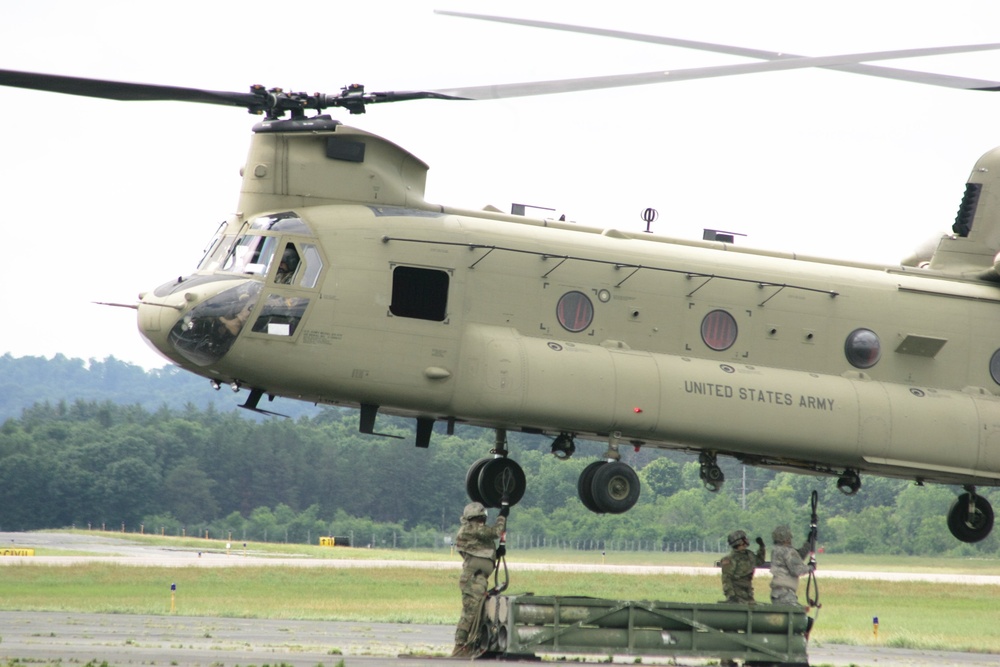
(25, 381)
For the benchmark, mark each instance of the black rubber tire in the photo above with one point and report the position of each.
(615, 487)
(972, 528)
(500, 476)
(472, 480)
(584, 487)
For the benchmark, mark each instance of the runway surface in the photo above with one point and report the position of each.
(184, 641)
(187, 641)
(112, 550)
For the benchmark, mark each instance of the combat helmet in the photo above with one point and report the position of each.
(736, 537)
(473, 511)
(782, 535)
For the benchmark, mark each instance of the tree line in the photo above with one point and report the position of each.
(200, 469)
(25, 381)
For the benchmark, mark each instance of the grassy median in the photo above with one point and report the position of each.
(914, 615)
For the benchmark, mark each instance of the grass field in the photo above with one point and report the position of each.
(911, 614)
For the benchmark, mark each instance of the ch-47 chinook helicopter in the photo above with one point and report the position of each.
(336, 283)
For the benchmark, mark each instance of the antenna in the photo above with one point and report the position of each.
(650, 215)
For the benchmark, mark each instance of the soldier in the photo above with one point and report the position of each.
(738, 568)
(786, 567)
(286, 267)
(475, 541)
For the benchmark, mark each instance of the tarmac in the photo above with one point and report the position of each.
(42, 638)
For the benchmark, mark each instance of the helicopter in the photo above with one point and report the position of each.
(337, 283)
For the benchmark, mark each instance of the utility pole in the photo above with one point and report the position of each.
(743, 502)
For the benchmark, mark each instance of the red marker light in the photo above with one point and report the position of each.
(636, 410)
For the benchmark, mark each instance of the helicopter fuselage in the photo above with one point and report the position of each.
(551, 327)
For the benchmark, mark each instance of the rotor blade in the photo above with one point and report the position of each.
(912, 76)
(527, 88)
(122, 91)
(133, 306)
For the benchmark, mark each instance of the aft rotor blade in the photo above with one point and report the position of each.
(120, 90)
(857, 67)
(527, 88)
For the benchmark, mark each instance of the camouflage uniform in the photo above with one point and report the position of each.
(738, 568)
(786, 567)
(475, 541)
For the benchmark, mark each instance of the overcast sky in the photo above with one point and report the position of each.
(104, 199)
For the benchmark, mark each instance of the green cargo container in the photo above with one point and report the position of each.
(763, 634)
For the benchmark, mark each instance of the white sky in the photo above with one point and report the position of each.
(102, 200)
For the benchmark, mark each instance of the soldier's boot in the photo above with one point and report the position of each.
(461, 649)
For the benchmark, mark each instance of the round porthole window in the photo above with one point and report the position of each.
(863, 348)
(995, 366)
(718, 330)
(575, 311)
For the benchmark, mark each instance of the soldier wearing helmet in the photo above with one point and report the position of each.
(286, 267)
(476, 543)
(738, 568)
(787, 565)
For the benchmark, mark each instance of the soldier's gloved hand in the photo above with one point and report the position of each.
(760, 541)
(504, 510)
(501, 551)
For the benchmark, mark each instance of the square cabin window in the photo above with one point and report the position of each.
(419, 293)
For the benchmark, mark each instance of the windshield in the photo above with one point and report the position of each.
(287, 222)
(252, 255)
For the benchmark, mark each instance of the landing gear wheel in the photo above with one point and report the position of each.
(615, 487)
(500, 477)
(472, 480)
(584, 487)
(974, 525)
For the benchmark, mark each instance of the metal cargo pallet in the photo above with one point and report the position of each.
(763, 634)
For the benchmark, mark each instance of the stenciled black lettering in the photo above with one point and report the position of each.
(694, 387)
(708, 389)
(816, 403)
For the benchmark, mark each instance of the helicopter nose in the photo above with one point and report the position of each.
(197, 324)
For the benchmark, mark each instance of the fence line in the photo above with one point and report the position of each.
(427, 540)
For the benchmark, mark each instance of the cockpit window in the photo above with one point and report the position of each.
(214, 252)
(314, 265)
(251, 255)
(281, 222)
(205, 334)
(287, 265)
(300, 264)
(280, 316)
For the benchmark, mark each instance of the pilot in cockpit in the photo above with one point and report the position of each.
(286, 268)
